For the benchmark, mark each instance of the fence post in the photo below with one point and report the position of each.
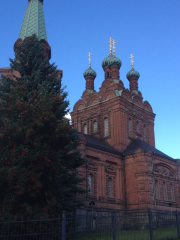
(150, 225)
(64, 225)
(114, 227)
(177, 221)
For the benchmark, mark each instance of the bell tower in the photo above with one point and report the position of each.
(34, 23)
(114, 114)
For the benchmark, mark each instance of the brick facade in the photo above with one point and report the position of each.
(123, 170)
(138, 180)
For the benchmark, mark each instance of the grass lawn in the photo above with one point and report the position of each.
(165, 233)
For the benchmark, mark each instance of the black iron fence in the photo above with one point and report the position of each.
(95, 226)
(31, 229)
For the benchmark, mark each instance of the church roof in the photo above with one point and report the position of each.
(90, 72)
(97, 143)
(34, 22)
(111, 60)
(140, 144)
(132, 73)
(101, 145)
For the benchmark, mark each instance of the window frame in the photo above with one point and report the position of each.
(85, 130)
(109, 187)
(95, 128)
(106, 127)
(144, 132)
(90, 184)
(129, 127)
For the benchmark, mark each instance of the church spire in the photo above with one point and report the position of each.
(34, 22)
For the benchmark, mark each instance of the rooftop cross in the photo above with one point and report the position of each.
(114, 42)
(89, 55)
(110, 41)
(132, 61)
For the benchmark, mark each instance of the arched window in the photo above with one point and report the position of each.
(144, 132)
(90, 184)
(137, 127)
(164, 191)
(95, 127)
(106, 128)
(156, 189)
(85, 128)
(109, 187)
(171, 192)
(129, 127)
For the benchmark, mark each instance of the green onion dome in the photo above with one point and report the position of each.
(132, 73)
(111, 60)
(89, 72)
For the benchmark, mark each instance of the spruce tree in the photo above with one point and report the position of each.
(38, 147)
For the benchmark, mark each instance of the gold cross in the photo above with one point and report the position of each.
(89, 55)
(110, 41)
(132, 61)
(114, 42)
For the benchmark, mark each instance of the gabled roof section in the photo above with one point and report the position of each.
(140, 144)
(101, 145)
(34, 22)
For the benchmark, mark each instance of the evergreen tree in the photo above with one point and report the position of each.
(38, 155)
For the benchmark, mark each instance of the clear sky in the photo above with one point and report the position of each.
(148, 29)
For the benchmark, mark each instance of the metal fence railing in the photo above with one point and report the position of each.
(95, 226)
(31, 229)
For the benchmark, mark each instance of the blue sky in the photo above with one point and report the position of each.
(148, 29)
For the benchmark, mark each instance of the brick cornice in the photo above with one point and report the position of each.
(103, 152)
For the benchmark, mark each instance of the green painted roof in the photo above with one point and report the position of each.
(132, 73)
(89, 72)
(111, 60)
(34, 22)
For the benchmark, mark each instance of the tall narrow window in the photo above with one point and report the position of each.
(109, 187)
(171, 192)
(137, 127)
(156, 189)
(90, 184)
(164, 191)
(144, 132)
(129, 127)
(85, 128)
(95, 127)
(106, 129)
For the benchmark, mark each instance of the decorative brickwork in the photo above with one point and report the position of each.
(135, 178)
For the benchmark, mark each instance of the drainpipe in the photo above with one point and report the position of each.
(153, 155)
(124, 183)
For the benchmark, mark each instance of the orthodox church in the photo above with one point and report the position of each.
(124, 170)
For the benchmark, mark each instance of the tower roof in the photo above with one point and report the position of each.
(111, 60)
(34, 22)
(90, 72)
(132, 73)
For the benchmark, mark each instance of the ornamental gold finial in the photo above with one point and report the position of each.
(132, 61)
(110, 41)
(89, 55)
(114, 42)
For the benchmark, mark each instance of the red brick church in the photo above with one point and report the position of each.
(124, 170)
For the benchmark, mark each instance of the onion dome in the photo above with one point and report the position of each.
(132, 73)
(111, 60)
(89, 72)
